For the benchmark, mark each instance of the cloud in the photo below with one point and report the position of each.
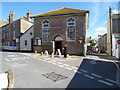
(101, 29)
(105, 22)
(97, 33)
(115, 11)
(100, 33)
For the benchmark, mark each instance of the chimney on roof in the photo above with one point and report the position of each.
(11, 17)
(28, 15)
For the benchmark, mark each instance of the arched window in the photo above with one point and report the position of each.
(37, 41)
(71, 29)
(45, 30)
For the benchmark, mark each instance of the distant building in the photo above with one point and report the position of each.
(88, 41)
(2, 23)
(116, 35)
(102, 43)
(12, 31)
(65, 26)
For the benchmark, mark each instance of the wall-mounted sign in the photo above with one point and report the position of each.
(57, 27)
(118, 41)
(80, 40)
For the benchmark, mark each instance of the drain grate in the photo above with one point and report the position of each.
(54, 76)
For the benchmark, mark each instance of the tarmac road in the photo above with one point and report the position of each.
(32, 71)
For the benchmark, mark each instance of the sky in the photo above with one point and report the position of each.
(97, 19)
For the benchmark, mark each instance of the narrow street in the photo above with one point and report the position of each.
(35, 71)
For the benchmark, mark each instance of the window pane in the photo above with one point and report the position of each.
(71, 32)
(45, 30)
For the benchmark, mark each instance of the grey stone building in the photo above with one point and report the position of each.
(12, 32)
(102, 43)
(65, 26)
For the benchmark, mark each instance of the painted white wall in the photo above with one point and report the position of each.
(26, 36)
(115, 45)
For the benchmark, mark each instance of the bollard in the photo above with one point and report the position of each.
(52, 55)
(35, 52)
(67, 57)
(41, 53)
(46, 52)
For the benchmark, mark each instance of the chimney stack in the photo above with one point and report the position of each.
(28, 15)
(11, 17)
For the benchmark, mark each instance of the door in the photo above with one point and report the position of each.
(58, 45)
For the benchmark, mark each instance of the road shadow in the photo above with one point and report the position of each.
(94, 74)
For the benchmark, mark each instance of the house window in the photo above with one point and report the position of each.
(7, 35)
(71, 29)
(3, 35)
(3, 28)
(45, 30)
(7, 26)
(25, 42)
(14, 24)
(13, 34)
(30, 33)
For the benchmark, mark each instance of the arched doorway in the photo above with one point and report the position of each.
(58, 43)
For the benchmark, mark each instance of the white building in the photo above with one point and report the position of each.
(26, 40)
(96, 40)
(116, 35)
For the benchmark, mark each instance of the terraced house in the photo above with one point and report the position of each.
(65, 26)
(12, 31)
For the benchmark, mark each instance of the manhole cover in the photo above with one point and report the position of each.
(54, 76)
(22, 63)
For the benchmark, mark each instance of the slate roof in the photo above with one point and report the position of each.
(61, 11)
